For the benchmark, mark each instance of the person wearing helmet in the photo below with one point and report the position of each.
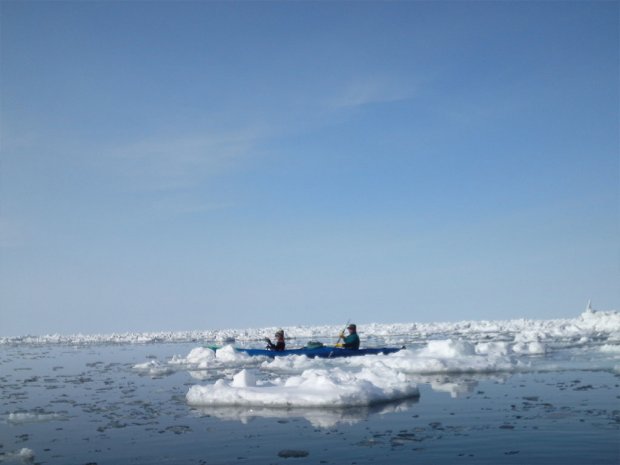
(280, 344)
(352, 341)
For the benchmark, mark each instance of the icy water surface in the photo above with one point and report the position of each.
(127, 404)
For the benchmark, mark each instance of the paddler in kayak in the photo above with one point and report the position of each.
(280, 344)
(352, 341)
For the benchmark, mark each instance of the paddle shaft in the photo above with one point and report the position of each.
(342, 332)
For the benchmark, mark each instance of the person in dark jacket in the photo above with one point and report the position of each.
(352, 341)
(280, 344)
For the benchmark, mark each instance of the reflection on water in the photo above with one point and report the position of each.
(458, 385)
(317, 417)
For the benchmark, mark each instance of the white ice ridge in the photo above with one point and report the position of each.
(312, 388)
(590, 323)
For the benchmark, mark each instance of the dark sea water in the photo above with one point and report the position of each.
(88, 405)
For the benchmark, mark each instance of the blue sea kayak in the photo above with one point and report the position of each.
(321, 352)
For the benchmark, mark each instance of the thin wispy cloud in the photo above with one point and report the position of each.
(177, 162)
(370, 90)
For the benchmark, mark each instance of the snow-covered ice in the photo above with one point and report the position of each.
(229, 378)
(589, 324)
(472, 347)
(502, 376)
(313, 388)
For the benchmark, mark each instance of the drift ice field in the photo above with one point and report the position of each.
(100, 398)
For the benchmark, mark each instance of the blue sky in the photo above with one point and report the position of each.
(194, 165)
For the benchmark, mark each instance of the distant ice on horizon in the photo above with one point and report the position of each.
(587, 324)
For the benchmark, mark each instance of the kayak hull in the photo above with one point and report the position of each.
(320, 352)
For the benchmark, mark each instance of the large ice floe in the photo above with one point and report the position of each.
(312, 388)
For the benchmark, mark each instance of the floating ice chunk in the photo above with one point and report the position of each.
(153, 368)
(200, 356)
(29, 417)
(448, 356)
(530, 348)
(229, 354)
(244, 378)
(24, 455)
(448, 349)
(313, 388)
(497, 349)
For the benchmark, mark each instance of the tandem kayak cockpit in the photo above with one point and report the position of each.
(320, 352)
